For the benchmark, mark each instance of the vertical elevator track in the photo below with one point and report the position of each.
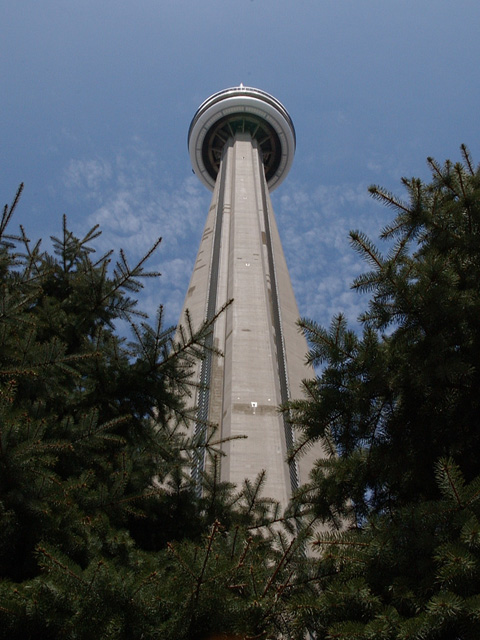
(201, 425)
(280, 345)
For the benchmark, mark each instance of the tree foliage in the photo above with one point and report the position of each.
(400, 403)
(102, 533)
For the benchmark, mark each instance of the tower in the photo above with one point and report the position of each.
(241, 143)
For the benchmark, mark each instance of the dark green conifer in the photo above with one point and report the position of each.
(102, 533)
(400, 404)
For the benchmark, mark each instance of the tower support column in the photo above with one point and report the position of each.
(241, 258)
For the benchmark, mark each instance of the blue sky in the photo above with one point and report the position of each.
(97, 97)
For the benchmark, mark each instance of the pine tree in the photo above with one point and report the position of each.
(401, 407)
(93, 453)
(102, 533)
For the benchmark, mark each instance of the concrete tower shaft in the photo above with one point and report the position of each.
(241, 258)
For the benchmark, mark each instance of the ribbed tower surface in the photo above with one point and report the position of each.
(241, 144)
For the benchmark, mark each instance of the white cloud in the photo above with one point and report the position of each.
(88, 175)
(314, 227)
(135, 202)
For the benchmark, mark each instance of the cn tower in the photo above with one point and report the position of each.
(242, 143)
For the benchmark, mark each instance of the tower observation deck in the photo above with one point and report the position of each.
(241, 110)
(242, 143)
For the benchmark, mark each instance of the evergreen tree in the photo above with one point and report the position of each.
(400, 405)
(102, 534)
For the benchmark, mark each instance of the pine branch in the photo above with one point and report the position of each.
(100, 565)
(253, 582)
(283, 560)
(234, 542)
(388, 199)
(361, 243)
(322, 342)
(467, 158)
(446, 469)
(195, 337)
(244, 552)
(60, 565)
(250, 493)
(152, 577)
(32, 254)
(9, 211)
(177, 556)
(199, 581)
(103, 262)
(124, 275)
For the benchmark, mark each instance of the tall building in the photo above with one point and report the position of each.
(241, 143)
